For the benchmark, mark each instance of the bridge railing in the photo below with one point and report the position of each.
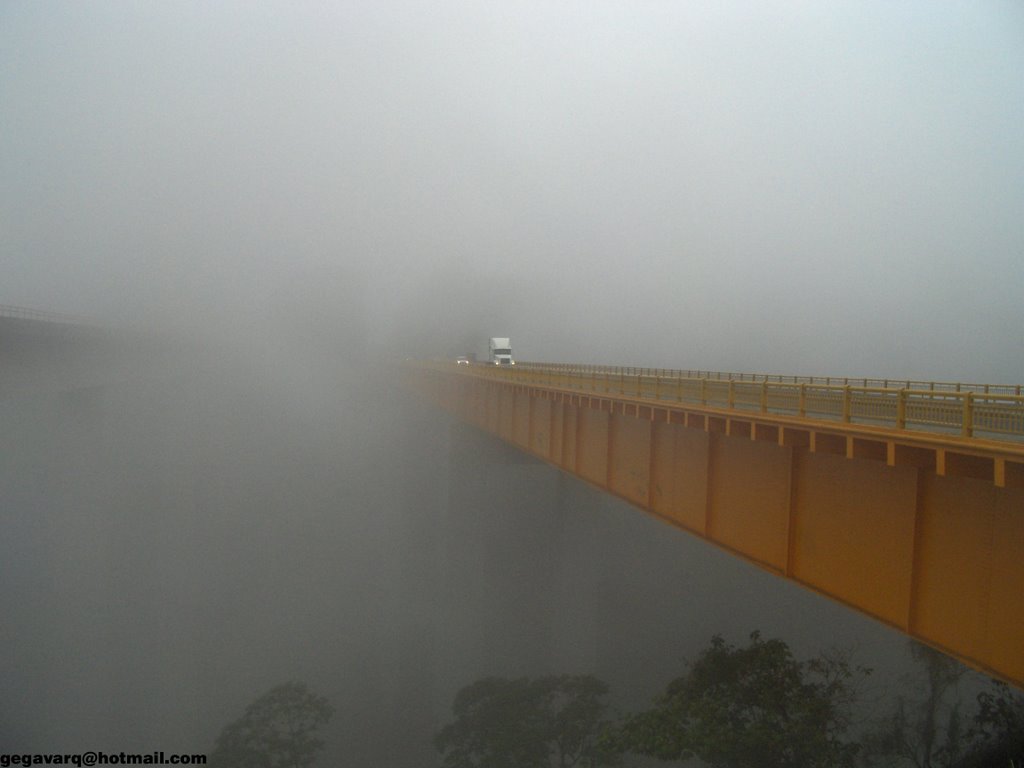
(972, 410)
(881, 383)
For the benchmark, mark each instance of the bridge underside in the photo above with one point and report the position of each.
(926, 540)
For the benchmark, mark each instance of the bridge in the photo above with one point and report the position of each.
(901, 499)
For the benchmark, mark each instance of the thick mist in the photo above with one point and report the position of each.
(219, 484)
(182, 538)
(831, 191)
(177, 539)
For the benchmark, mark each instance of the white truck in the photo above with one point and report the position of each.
(501, 351)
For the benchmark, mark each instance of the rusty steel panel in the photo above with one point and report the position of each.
(749, 498)
(592, 445)
(540, 427)
(521, 419)
(853, 534)
(679, 475)
(630, 469)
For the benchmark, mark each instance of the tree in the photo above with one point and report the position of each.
(928, 732)
(574, 711)
(751, 706)
(278, 730)
(998, 729)
(550, 721)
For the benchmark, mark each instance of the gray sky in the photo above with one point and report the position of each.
(832, 188)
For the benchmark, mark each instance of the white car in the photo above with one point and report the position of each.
(462, 360)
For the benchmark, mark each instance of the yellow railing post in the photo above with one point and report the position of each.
(802, 403)
(968, 424)
(846, 402)
(901, 409)
(703, 391)
(764, 396)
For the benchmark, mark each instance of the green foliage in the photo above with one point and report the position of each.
(753, 706)
(278, 730)
(998, 729)
(927, 731)
(550, 721)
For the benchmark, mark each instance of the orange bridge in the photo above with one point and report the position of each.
(901, 499)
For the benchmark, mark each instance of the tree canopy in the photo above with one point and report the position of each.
(998, 729)
(926, 731)
(750, 706)
(522, 723)
(278, 730)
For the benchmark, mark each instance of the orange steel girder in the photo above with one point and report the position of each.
(925, 538)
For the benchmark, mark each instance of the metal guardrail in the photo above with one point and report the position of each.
(916, 384)
(971, 410)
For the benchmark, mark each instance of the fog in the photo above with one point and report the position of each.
(823, 191)
(265, 207)
(181, 539)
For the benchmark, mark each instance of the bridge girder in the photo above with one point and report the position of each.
(922, 532)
